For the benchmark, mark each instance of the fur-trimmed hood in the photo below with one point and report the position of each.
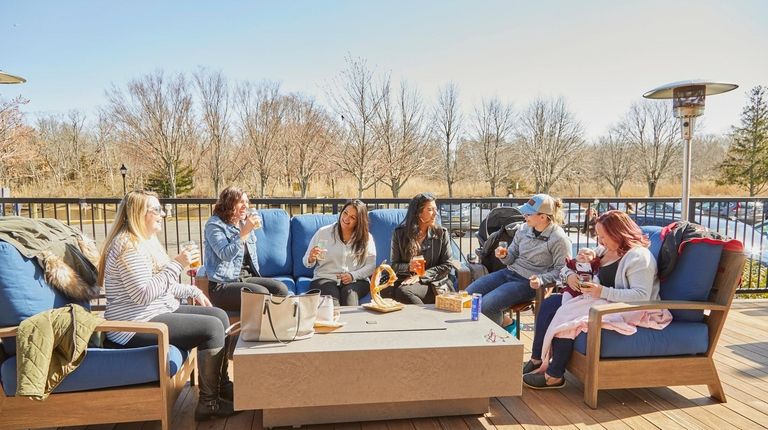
(67, 257)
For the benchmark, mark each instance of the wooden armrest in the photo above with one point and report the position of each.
(463, 276)
(611, 308)
(133, 326)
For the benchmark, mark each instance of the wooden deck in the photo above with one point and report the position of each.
(742, 360)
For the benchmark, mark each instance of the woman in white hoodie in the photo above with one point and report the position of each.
(344, 256)
(627, 274)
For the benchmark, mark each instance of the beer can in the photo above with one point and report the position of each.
(477, 306)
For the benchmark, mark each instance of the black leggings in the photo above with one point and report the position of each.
(344, 295)
(227, 296)
(417, 293)
(188, 327)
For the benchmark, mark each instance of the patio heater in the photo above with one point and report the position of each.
(688, 103)
(6, 78)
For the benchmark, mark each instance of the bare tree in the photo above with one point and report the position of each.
(14, 140)
(493, 128)
(652, 131)
(707, 152)
(356, 101)
(400, 133)
(106, 142)
(215, 109)
(308, 135)
(157, 115)
(262, 113)
(446, 130)
(551, 140)
(615, 160)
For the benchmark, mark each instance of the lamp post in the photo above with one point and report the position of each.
(6, 78)
(123, 172)
(688, 103)
(577, 176)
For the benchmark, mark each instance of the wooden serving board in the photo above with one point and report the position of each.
(377, 308)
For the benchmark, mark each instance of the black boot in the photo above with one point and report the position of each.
(226, 387)
(210, 405)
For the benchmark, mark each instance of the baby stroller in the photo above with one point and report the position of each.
(500, 224)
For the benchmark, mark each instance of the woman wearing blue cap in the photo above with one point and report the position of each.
(534, 258)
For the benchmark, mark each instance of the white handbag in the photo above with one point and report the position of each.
(268, 318)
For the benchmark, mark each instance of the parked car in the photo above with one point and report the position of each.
(749, 212)
(754, 238)
(574, 216)
(455, 217)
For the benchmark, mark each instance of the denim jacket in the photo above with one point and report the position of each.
(224, 250)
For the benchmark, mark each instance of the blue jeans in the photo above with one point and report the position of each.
(547, 310)
(500, 290)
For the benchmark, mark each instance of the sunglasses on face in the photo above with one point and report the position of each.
(157, 210)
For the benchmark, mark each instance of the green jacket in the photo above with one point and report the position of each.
(49, 346)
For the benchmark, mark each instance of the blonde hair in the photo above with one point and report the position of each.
(129, 226)
(558, 217)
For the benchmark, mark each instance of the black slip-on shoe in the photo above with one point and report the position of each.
(538, 381)
(530, 366)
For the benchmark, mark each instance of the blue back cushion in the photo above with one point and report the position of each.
(381, 224)
(23, 290)
(654, 235)
(303, 227)
(692, 278)
(274, 245)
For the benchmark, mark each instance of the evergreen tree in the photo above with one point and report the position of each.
(159, 183)
(746, 163)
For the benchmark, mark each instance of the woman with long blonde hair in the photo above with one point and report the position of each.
(141, 284)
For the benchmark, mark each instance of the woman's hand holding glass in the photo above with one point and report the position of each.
(573, 281)
(501, 251)
(591, 289)
(252, 222)
(189, 255)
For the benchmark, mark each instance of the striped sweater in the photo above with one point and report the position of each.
(140, 287)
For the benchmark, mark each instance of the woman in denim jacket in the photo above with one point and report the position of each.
(418, 235)
(230, 252)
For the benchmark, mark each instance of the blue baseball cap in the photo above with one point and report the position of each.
(540, 203)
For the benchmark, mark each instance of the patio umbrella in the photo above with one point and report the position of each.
(6, 78)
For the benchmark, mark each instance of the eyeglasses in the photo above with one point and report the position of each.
(492, 337)
(157, 210)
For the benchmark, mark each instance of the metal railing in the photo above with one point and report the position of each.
(740, 218)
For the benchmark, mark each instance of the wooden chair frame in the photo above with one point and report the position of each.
(608, 373)
(144, 402)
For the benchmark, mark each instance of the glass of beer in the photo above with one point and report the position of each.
(253, 212)
(321, 245)
(191, 245)
(421, 265)
(503, 248)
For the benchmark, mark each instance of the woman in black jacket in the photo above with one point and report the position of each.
(418, 235)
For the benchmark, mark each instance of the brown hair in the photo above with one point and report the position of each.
(621, 228)
(226, 204)
(359, 237)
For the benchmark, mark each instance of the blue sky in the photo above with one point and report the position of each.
(600, 55)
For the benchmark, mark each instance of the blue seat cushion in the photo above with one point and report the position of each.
(303, 227)
(288, 281)
(678, 338)
(24, 291)
(273, 243)
(381, 224)
(302, 284)
(104, 368)
(692, 278)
